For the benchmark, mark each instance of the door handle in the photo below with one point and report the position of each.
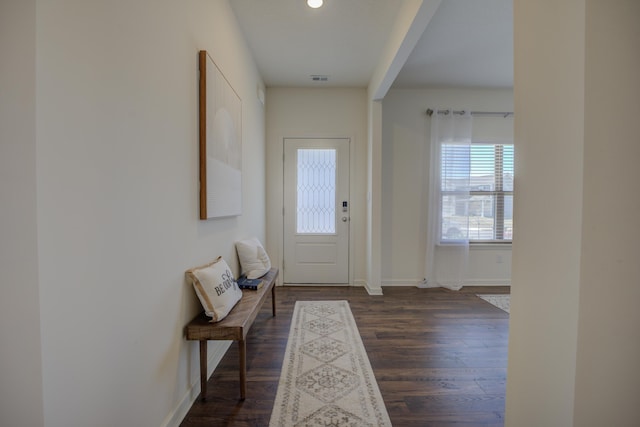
(344, 219)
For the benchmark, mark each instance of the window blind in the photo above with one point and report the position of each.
(476, 188)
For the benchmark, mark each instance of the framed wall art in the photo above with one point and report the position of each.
(220, 143)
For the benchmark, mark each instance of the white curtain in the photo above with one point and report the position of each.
(447, 248)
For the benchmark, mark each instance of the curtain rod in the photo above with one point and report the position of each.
(504, 114)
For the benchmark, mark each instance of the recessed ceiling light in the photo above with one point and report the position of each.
(314, 3)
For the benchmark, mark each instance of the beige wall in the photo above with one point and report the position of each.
(405, 176)
(573, 344)
(549, 118)
(607, 373)
(103, 157)
(318, 112)
(20, 355)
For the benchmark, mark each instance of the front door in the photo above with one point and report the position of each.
(316, 211)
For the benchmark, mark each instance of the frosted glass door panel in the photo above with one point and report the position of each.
(316, 191)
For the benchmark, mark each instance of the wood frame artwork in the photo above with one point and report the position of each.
(220, 143)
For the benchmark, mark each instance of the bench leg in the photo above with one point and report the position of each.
(242, 350)
(273, 300)
(203, 369)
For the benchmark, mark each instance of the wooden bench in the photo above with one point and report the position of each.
(233, 327)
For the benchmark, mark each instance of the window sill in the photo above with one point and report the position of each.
(487, 245)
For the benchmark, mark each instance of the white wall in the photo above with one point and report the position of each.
(549, 108)
(405, 176)
(318, 112)
(102, 153)
(607, 374)
(573, 343)
(20, 362)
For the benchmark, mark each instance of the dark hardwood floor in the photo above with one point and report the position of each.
(439, 357)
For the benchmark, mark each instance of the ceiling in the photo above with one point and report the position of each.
(467, 43)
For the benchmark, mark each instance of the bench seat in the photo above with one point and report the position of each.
(234, 327)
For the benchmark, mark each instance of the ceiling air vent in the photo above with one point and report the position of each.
(319, 78)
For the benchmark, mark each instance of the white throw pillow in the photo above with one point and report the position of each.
(216, 288)
(253, 258)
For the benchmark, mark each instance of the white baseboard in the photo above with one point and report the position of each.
(488, 282)
(177, 415)
(401, 282)
(371, 290)
(449, 285)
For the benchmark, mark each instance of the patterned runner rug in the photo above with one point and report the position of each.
(326, 377)
(503, 302)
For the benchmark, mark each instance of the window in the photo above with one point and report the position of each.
(476, 194)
